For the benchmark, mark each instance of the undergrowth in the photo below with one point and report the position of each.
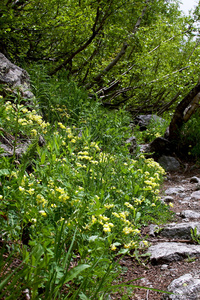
(71, 208)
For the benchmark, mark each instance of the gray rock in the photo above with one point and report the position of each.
(153, 229)
(196, 195)
(184, 181)
(179, 231)
(20, 149)
(144, 148)
(175, 190)
(194, 179)
(14, 79)
(133, 144)
(171, 251)
(144, 121)
(186, 199)
(164, 267)
(191, 214)
(169, 163)
(182, 195)
(185, 287)
(187, 220)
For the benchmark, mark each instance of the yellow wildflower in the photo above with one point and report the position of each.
(21, 189)
(127, 230)
(113, 247)
(43, 213)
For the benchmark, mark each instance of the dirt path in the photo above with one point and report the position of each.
(161, 275)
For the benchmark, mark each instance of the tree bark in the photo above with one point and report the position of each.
(183, 112)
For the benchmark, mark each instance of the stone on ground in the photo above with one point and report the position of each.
(169, 163)
(175, 191)
(171, 251)
(190, 214)
(196, 195)
(180, 230)
(185, 287)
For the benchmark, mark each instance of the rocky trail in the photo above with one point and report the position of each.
(174, 264)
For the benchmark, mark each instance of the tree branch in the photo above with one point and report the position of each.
(121, 53)
(86, 44)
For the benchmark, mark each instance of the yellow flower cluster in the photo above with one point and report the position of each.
(25, 117)
(95, 145)
(127, 230)
(107, 227)
(63, 194)
(108, 206)
(151, 184)
(113, 247)
(122, 216)
(84, 155)
(63, 197)
(129, 205)
(61, 109)
(61, 125)
(131, 244)
(41, 200)
(152, 163)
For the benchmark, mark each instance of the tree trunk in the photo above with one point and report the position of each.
(183, 112)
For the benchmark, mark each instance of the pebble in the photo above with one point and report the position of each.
(164, 267)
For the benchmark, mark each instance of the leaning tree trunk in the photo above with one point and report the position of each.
(183, 112)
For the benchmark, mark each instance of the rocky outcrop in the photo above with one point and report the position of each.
(14, 79)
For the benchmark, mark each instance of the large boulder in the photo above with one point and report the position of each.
(14, 79)
(169, 163)
(160, 146)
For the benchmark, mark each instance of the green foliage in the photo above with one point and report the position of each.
(195, 236)
(63, 206)
(121, 47)
(59, 99)
(190, 136)
(155, 128)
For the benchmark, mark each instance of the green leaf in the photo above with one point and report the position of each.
(4, 172)
(75, 272)
(43, 156)
(83, 296)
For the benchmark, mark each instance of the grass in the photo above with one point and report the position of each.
(71, 207)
